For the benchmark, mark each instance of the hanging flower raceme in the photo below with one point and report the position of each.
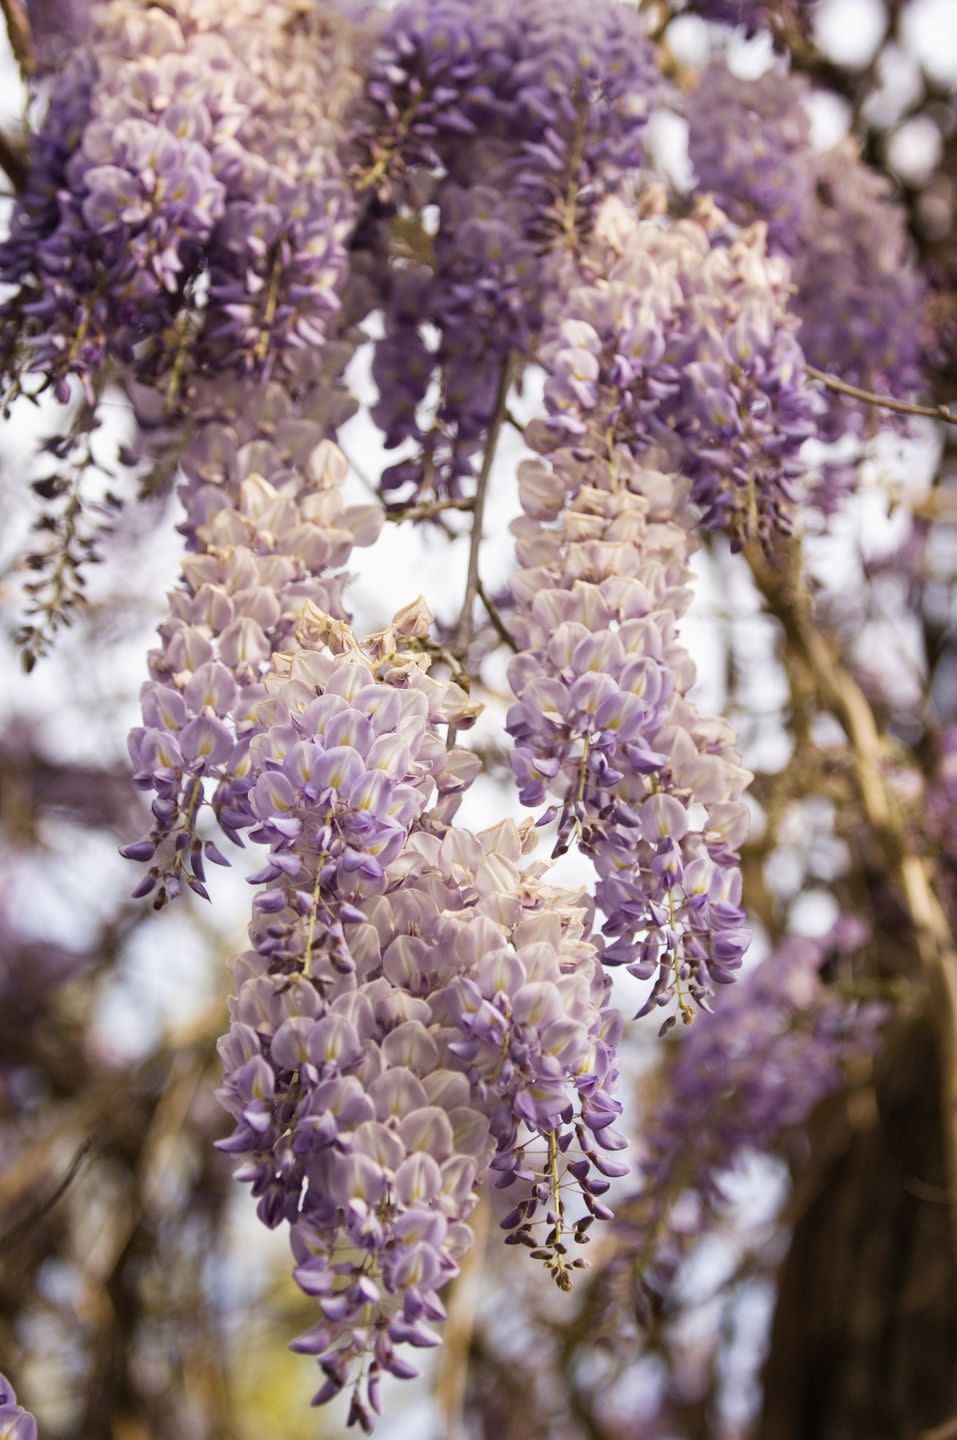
(859, 294)
(349, 1128)
(650, 789)
(417, 1004)
(679, 335)
(521, 1005)
(510, 124)
(184, 181)
(647, 787)
(270, 532)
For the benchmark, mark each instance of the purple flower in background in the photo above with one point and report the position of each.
(742, 1081)
(750, 144)
(512, 123)
(860, 296)
(15, 1422)
(57, 27)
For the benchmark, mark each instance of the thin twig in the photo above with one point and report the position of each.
(881, 402)
(495, 615)
(464, 629)
(428, 509)
(39, 1212)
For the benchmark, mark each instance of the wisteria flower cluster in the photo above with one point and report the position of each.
(859, 296)
(679, 335)
(417, 1005)
(602, 722)
(511, 124)
(185, 201)
(270, 533)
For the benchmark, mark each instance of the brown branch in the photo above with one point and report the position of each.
(13, 162)
(20, 34)
(464, 629)
(40, 1211)
(839, 692)
(495, 615)
(881, 402)
(947, 1431)
(427, 510)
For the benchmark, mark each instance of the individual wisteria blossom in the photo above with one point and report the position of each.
(741, 1082)
(511, 123)
(414, 1000)
(196, 189)
(859, 294)
(15, 1422)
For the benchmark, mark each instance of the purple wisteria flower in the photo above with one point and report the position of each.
(750, 144)
(193, 211)
(743, 1080)
(680, 335)
(270, 534)
(416, 1004)
(648, 788)
(510, 123)
(859, 294)
(349, 1127)
(15, 1422)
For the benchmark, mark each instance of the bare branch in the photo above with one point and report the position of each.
(495, 615)
(881, 402)
(20, 34)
